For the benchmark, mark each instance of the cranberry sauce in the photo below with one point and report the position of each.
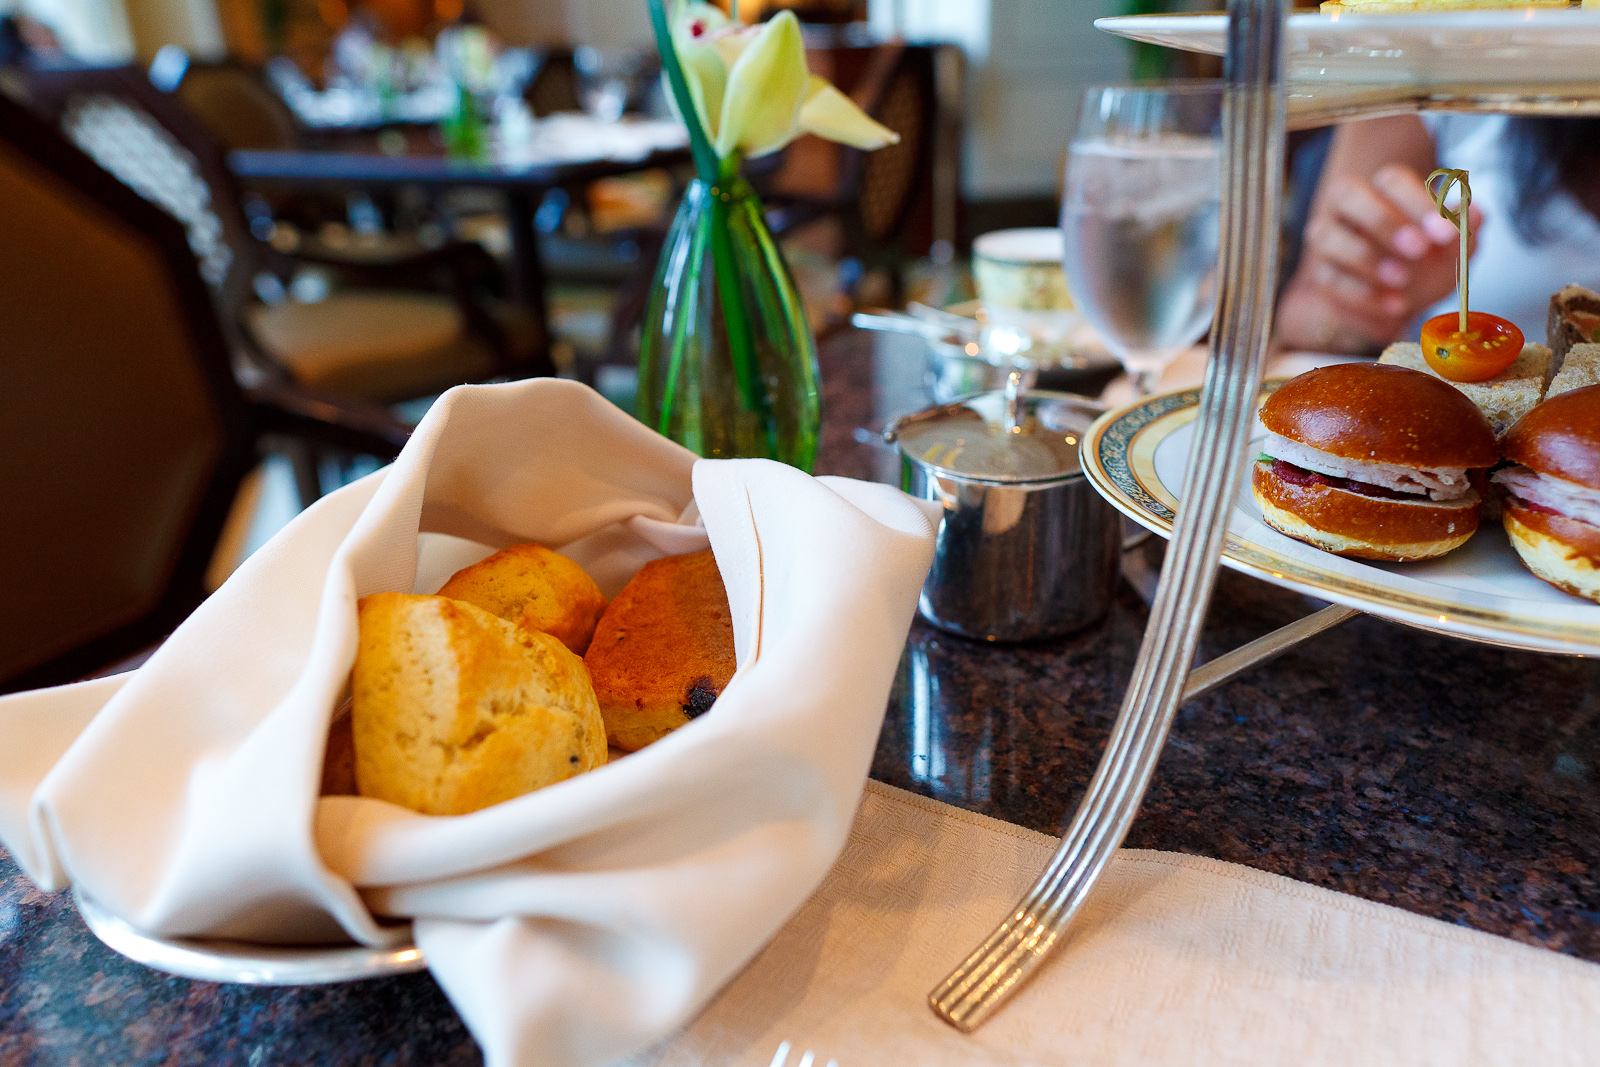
(1300, 476)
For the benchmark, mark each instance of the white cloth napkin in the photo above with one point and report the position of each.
(1176, 960)
(573, 925)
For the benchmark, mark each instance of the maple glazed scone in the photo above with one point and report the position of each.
(1372, 461)
(533, 587)
(453, 709)
(1552, 504)
(663, 650)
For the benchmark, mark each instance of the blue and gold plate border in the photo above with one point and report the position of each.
(1111, 454)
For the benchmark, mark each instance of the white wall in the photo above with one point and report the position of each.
(1028, 61)
(192, 25)
(96, 31)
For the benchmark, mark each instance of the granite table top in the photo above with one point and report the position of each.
(1453, 780)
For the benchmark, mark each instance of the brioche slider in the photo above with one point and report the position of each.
(1552, 506)
(1503, 398)
(1374, 461)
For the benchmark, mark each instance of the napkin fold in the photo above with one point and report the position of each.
(572, 925)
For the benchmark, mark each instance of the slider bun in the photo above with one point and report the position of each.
(535, 588)
(1381, 414)
(1560, 437)
(453, 709)
(1560, 550)
(1349, 524)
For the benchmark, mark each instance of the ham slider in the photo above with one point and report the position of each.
(1375, 461)
(1552, 506)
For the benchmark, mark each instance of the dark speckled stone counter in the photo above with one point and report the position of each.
(1449, 779)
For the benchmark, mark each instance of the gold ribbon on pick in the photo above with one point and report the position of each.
(1452, 177)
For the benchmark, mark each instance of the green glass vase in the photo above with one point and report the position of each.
(727, 363)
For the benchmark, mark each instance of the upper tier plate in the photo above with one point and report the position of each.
(1519, 60)
(1135, 458)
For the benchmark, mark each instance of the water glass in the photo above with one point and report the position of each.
(1139, 218)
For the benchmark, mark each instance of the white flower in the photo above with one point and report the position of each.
(752, 90)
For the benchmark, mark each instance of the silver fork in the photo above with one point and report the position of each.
(807, 1058)
(1254, 132)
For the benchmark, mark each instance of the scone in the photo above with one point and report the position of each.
(453, 709)
(339, 760)
(1503, 399)
(533, 587)
(663, 650)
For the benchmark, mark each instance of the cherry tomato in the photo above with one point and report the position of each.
(1490, 345)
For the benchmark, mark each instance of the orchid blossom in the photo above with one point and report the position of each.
(751, 91)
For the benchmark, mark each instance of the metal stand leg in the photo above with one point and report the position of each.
(1138, 573)
(1247, 270)
(1225, 668)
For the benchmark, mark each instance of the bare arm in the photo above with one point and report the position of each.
(1376, 251)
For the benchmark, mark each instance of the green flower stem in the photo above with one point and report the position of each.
(729, 191)
(705, 157)
(680, 330)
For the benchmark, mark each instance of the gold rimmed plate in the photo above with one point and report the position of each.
(1135, 457)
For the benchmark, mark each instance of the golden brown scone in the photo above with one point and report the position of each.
(339, 761)
(663, 650)
(453, 709)
(533, 587)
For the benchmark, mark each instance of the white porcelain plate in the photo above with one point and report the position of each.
(1540, 59)
(1135, 457)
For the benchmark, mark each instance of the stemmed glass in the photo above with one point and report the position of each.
(1139, 218)
(604, 80)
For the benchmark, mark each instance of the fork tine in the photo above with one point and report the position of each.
(779, 1057)
(1254, 131)
(807, 1059)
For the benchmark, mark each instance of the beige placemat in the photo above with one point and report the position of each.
(1177, 960)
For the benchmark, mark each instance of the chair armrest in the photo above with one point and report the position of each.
(463, 262)
(295, 411)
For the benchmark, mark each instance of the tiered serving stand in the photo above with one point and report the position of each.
(1175, 462)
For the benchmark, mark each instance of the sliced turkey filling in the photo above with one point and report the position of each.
(1433, 483)
(1552, 493)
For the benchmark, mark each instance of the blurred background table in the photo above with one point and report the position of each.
(1451, 780)
(587, 151)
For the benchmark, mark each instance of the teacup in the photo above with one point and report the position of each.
(1024, 290)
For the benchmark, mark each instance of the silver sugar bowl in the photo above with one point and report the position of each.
(1026, 548)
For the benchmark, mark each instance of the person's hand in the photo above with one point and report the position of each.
(1375, 255)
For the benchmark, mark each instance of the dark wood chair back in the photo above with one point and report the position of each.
(882, 199)
(890, 183)
(145, 138)
(554, 86)
(237, 107)
(123, 435)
